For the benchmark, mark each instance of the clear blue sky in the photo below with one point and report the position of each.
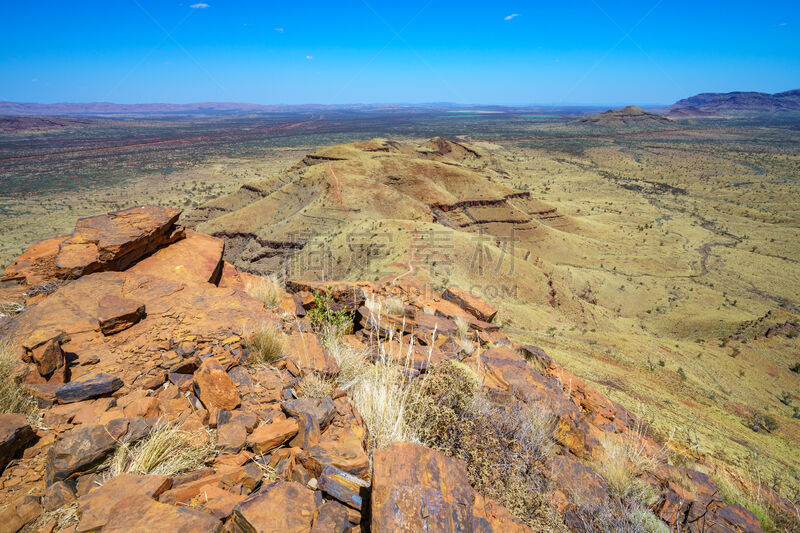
(504, 52)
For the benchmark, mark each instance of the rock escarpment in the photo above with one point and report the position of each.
(123, 347)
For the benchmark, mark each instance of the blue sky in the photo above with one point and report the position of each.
(503, 52)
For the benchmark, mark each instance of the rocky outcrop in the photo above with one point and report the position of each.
(106, 242)
(112, 357)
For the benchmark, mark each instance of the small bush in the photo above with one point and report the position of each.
(13, 397)
(166, 451)
(786, 398)
(265, 344)
(796, 368)
(765, 421)
(325, 319)
(681, 373)
(265, 290)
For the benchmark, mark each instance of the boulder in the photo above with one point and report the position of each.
(57, 495)
(344, 487)
(267, 437)
(479, 308)
(572, 479)
(307, 352)
(95, 507)
(195, 259)
(347, 455)
(231, 435)
(321, 409)
(15, 434)
(78, 450)
(331, 518)
(106, 242)
(116, 314)
(145, 515)
(279, 507)
(87, 387)
(19, 512)
(214, 387)
(307, 432)
(415, 488)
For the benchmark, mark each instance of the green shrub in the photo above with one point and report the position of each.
(325, 319)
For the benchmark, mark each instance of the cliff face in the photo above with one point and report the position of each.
(175, 393)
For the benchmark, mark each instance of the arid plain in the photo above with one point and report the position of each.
(657, 261)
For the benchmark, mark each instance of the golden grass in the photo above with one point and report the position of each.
(314, 385)
(264, 289)
(167, 451)
(624, 461)
(13, 397)
(64, 517)
(10, 309)
(265, 344)
(462, 327)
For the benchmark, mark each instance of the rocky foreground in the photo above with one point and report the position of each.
(134, 326)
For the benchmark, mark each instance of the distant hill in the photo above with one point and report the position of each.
(736, 103)
(627, 116)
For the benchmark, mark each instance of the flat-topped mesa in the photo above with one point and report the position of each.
(110, 242)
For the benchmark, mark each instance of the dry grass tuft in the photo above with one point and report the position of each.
(64, 516)
(265, 344)
(264, 289)
(462, 327)
(13, 397)
(352, 362)
(391, 305)
(167, 451)
(314, 385)
(8, 309)
(625, 459)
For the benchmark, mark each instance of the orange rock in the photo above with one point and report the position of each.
(19, 512)
(195, 259)
(279, 507)
(267, 437)
(95, 507)
(214, 387)
(308, 353)
(145, 515)
(115, 314)
(37, 264)
(15, 434)
(415, 488)
(466, 300)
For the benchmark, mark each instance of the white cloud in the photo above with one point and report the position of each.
(511, 16)
(309, 57)
(783, 24)
(199, 6)
(279, 30)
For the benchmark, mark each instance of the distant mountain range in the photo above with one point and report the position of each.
(735, 104)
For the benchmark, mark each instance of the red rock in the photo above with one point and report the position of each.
(78, 450)
(308, 353)
(195, 259)
(331, 518)
(57, 495)
(95, 507)
(15, 434)
(116, 314)
(19, 512)
(231, 436)
(279, 507)
(217, 501)
(740, 518)
(347, 455)
(267, 437)
(307, 431)
(145, 515)
(415, 488)
(321, 409)
(37, 264)
(87, 387)
(105, 242)
(343, 486)
(570, 477)
(469, 302)
(214, 387)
